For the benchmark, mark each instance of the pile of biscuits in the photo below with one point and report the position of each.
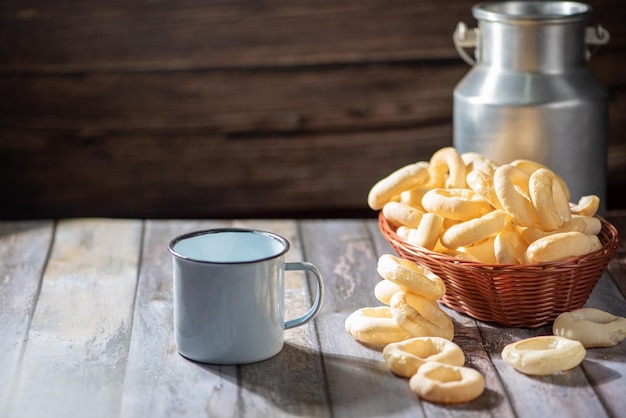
(467, 206)
(415, 336)
(415, 333)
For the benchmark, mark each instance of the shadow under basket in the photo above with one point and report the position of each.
(528, 295)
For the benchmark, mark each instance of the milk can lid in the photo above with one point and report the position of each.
(554, 11)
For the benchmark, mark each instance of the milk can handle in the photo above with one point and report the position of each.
(595, 36)
(465, 38)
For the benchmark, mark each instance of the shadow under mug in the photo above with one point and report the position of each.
(229, 294)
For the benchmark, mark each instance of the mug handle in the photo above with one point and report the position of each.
(319, 298)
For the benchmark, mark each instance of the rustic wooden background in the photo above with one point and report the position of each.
(159, 108)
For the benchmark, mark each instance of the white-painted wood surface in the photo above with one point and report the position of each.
(75, 352)
(86, 331)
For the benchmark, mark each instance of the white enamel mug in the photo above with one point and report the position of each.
(229, 294)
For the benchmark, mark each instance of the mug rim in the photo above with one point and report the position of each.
(192, 234)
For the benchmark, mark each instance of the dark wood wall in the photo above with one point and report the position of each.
(162, 108)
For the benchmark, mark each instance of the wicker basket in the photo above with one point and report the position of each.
(512, 295)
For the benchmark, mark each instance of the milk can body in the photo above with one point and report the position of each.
(530, 95)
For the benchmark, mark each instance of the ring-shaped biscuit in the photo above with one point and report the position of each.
(398, 213)
(427, 232)
(544, 355)
(447, 169)
(442, 383)
(561, 246)
(403, 231)
(548, 199)
(482, 251)
(591, 224)
(509, 247)
(375, 326)
(474, 230)
(476, 161)
(529, 167)
(426, 308)
(458, 204)
(413, 197)
(411, 277)
(458, 253)
(587, 205)
(482, 184)
(586, 224)
(420, 317)
(592, 327)
(404, 178)
(404, 358)
(384, 290)
(511, 186)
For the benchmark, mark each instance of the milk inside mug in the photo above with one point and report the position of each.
(229, 294)
(529, 93)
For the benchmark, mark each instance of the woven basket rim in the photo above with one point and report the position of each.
(389, 232)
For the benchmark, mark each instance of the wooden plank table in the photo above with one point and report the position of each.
(86, 330)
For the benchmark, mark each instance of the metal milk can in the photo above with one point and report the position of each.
(530, 94)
